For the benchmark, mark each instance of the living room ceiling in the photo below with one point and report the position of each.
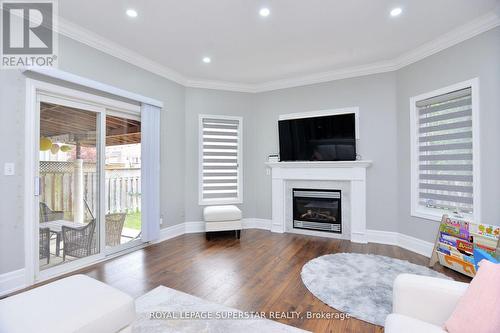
(298, 40)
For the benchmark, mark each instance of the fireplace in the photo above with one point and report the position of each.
(317, 210)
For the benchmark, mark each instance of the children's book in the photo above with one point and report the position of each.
(456, 241)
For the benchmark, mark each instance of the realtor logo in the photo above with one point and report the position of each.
(28, 34)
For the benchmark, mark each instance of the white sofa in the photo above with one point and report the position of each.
(422, 304)
(222, 218)
(74, 304)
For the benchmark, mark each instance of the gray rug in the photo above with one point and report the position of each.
(358, 284)
(175, 311)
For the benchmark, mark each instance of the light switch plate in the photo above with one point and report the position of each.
(9, 169)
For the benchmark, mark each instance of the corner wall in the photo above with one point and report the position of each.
(476, 57)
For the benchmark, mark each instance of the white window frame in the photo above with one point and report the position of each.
(239, 198)
(435, 214)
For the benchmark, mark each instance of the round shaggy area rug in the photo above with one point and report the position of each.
(358, 284)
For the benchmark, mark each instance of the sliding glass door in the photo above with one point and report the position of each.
(68, 181)
(88, 187)
(122, 181)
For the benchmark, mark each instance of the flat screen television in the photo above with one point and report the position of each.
(326, 138)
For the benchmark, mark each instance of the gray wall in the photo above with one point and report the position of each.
(82, 60)
(12, 97)
(375, 96)
(90, 63)
(215, 102)
(476, 57)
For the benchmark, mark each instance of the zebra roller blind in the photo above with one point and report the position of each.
(445, 155)
(220, 178)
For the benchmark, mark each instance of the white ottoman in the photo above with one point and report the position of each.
(74, 304)
(222, 218)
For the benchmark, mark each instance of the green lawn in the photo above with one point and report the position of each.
(133, 221)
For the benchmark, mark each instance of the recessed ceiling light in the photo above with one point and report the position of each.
(131, 12)
(207, 60)
(264, 12)
(396, 11)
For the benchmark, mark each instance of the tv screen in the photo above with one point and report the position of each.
(327, 138)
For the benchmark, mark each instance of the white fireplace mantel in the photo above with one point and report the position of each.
(353, 172)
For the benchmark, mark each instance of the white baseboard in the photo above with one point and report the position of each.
(12, 281)
(407, 242)
(373, 236)
(255, 223)
(171, 232)
(416, 245)
(382, 237)
(194, 227)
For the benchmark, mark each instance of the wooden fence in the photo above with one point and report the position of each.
(123, 187)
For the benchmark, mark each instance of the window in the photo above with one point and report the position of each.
(220, 160)
(445, 154)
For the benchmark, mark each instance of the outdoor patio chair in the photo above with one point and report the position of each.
(44, 244)
(47, 214)
(114, 227)
(78, 242)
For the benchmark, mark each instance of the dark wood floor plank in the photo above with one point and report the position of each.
(259, 272)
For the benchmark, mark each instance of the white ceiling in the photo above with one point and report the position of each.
(300, 38)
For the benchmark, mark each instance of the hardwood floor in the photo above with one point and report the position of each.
(259, 272)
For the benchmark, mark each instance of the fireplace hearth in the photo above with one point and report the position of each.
(315, 209)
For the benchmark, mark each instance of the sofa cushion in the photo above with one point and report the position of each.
(75, 304)
(221, 213)
(479, 308)
(396, 323)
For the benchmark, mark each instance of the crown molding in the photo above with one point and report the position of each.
(82, 35)
(345, 73)
(221, 85)
(456, 36)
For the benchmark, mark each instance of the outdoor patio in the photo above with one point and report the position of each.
(69, 184)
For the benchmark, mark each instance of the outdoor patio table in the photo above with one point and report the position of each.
(56, 227)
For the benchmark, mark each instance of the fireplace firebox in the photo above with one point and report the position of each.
(317, 210)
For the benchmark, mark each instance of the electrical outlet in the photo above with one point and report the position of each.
(9, 169)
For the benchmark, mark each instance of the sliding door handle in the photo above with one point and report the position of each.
(37, 186)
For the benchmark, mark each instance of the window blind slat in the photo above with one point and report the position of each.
(447, 116)
(220, 196)
(444, 197)
(221, 180)
(450, 206)
(444, 127)
(208, 126)
(220, 145)
(446, 157)
(459, 94)
(446, 167)
(228, 133)
(447, 177)
(445, 137)
(450, 146)
(216, 139)
(449, 188)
